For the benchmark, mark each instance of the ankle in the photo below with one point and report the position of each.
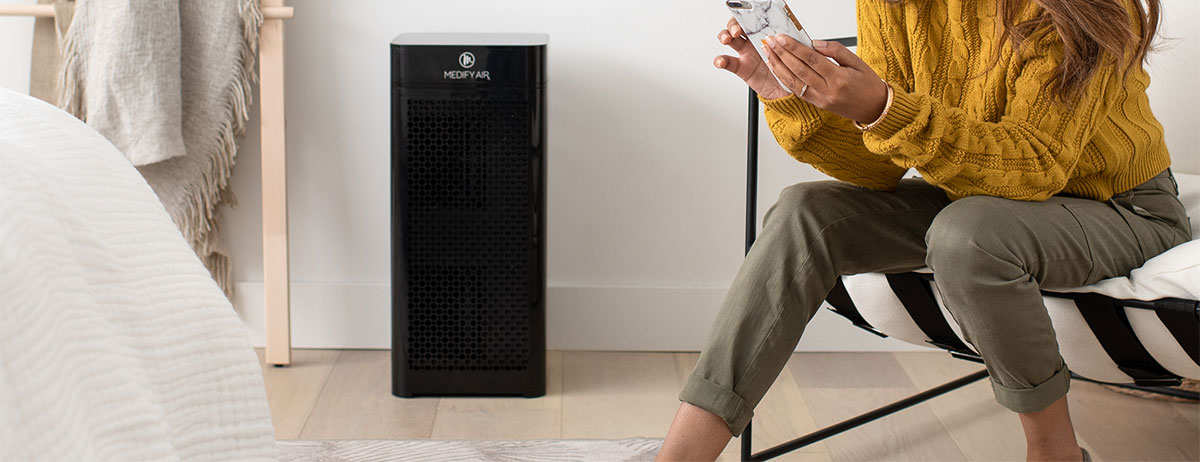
(695, 434)
(1055, 454)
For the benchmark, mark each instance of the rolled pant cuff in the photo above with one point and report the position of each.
(719, 400)
(1041, 396)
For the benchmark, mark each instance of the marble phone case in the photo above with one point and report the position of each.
(766, 18)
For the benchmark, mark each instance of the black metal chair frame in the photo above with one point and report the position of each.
(747, 453)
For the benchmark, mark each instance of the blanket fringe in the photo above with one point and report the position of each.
(201, 221)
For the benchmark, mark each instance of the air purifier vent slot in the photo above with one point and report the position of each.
(469, 153)
(469, 236)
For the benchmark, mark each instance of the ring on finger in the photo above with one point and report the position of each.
(802, 90)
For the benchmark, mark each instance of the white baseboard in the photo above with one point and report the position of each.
(351, 316)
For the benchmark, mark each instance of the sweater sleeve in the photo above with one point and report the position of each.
(828, 142)
(1030, 153)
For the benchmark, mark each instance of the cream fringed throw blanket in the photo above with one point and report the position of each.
(169, 84)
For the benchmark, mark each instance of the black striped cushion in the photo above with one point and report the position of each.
(1146, 344)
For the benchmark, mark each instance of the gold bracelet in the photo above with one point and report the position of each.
(886, 108)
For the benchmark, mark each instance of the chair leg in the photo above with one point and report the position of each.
(855, 422)
(747, 452)
(1166, 391)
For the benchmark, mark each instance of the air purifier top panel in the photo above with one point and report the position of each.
(469, 60)
(472, 39)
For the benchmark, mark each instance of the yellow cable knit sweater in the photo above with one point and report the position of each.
(999, 134)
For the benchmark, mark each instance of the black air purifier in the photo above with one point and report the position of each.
(468, 214)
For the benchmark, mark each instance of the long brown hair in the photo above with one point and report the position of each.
(1092, 32)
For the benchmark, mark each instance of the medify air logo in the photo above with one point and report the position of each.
(467, 61)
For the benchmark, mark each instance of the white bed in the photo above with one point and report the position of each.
(115, 344)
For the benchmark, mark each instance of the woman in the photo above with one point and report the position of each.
(1042, 167)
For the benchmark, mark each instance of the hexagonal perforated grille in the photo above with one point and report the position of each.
(468, 235)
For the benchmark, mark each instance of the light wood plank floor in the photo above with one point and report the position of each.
(346, 394)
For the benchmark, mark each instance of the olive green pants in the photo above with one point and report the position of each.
(991, 256)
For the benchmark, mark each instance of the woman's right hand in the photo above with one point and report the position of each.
(748, 65)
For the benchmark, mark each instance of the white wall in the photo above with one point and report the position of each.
(646, 163)
(16, 37)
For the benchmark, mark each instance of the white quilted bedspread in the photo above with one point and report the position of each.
(115, 344)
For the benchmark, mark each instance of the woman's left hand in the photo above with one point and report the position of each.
(849, 87)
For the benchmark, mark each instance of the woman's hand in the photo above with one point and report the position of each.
(849, 87)
(747, 65)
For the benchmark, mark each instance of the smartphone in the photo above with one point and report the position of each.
(762, 18)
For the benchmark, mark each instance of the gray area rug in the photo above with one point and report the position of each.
(634, 449)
